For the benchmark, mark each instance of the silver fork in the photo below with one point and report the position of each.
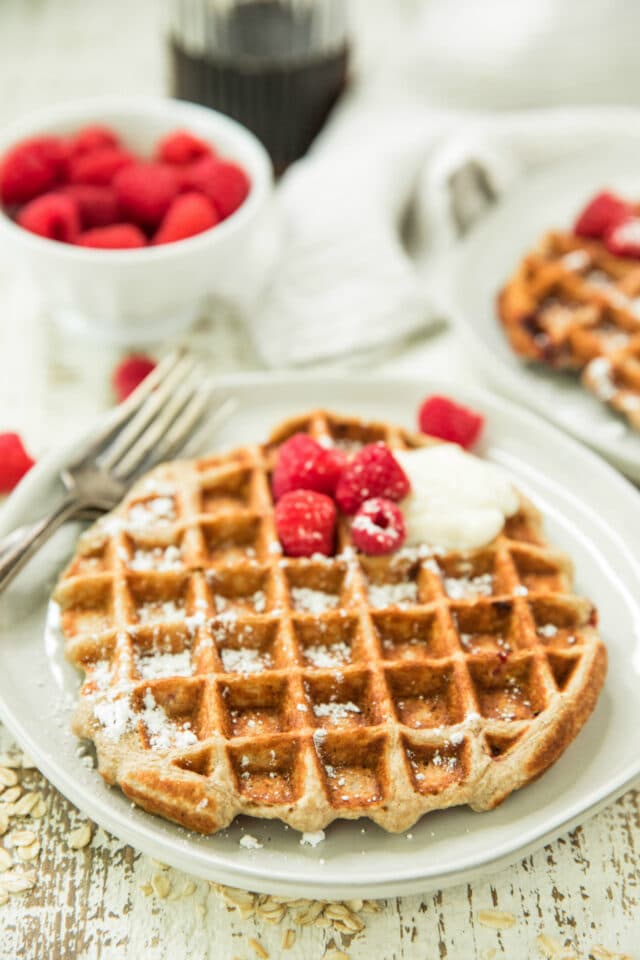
(152, 425)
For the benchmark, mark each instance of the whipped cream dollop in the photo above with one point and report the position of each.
(457, 501)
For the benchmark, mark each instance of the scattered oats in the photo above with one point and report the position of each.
(257, 947)
(236, 897)
(11, 760)
(4, 822)
(146, 889)
(80, 837)
(8, 777)
(11, 795)
(598, 952)
(5, 859)
(21, 838)
(161, 885)
(38, 810)
(4, 897)
(549, 947)
(158, 864)
(29, 853)
(496, 919)
(489, 953)
(288, 939)
(26, 804)
(15, 882)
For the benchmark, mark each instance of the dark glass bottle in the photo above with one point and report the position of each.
(277, 66)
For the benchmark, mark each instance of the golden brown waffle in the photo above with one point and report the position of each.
(222, 678)
(573, 305)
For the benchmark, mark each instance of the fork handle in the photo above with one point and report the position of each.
(22, 548)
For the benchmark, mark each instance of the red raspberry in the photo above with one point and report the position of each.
(443, 418)
(226, 184)
(623, 238)
(14, 461)
(181, 147)
(53, 215)
(98, 205)
(30, 168)
(304, 464)
(378, 527)
(190, 213)
(129, 373)
(373, 472)
(93, 137)
(600, 214)
(98, 167)
(118, 236)
(145, 192)
(306, 523)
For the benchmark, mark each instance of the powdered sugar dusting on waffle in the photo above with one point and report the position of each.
(242, 681)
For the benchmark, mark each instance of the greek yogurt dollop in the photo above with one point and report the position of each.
(457, 501)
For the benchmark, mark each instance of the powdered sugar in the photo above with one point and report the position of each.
(598, 373)
(313, 601)
(328, 655)
(336, 711)
(462, 588)
(162, 732)
(157, 558)
(393, 594)
(312, 839)
(244, 660)
(165, 665)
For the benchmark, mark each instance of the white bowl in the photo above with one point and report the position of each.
(137, 296)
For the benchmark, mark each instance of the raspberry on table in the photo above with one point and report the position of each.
(181, 147)
(189, 214)
(306, 523)
(623, 238)
(444, 418)
(98, 205)
(304, 464)
(224, 183)
(145, 192)
(118, 236)
(601, 213)
(93, 137)
(378, 527)
(14, 461)
(130, 373)
(373, 472)
(100, 166)
(30, 168)
(53, 215)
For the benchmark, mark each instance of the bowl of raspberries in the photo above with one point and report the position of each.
(128, 214)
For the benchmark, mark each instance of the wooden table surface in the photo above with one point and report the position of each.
(577, 897)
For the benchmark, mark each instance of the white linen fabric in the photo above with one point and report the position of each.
(430, 139)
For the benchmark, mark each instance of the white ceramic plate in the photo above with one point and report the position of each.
(590, 511)
(549, 199)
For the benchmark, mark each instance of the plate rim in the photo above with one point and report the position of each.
(420, 877)
(507, 379)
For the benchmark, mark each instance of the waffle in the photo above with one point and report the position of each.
(572, 305)
(221, 678)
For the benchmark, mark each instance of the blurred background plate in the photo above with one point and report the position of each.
(547, 200)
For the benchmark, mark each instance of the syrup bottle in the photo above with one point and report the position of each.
(277, 66)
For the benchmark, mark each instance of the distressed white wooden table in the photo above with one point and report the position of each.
(577, 897)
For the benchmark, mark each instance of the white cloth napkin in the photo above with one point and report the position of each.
(346, 282)
(415, 137)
